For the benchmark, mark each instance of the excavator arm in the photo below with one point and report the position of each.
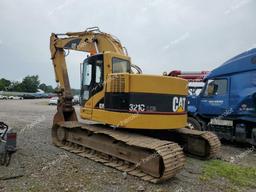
(92, 41)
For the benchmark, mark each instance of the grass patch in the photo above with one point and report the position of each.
(236, 174)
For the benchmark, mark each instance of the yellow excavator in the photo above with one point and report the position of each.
(138, 120)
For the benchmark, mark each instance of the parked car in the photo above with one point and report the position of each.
(15, 97)
(50, 95)
(40, 95)
(2, 97)
(28, 96)
(53, 101)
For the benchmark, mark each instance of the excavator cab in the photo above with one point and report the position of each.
(95, 75)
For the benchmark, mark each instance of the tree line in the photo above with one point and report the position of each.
(29, 84)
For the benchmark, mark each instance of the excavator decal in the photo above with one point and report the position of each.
(179, 104)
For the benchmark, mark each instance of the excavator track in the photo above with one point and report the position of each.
(199, 144)
(148, 158)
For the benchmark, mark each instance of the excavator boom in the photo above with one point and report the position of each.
(91, 40)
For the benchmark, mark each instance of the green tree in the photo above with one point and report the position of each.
(4, 84)
(30, 83)
(46, 88)
(43, 87)
(15, 86)
(49, 89)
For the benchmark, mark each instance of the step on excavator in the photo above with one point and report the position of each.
(139, 119)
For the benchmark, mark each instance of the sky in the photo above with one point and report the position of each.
(160, 35)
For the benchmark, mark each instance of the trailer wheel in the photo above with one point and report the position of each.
(193, 124)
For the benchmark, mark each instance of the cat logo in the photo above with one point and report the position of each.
(179, 104)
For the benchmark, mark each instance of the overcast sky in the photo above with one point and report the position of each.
(160, 35)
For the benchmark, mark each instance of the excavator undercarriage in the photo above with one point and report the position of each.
(151, 159)
(145, 157)
(151, 156)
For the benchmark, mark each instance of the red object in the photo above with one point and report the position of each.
(190, 76)
(11, 136)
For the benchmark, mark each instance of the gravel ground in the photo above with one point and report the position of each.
(40, 166)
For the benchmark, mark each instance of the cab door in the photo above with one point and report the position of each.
(215, 98)
(92, 82)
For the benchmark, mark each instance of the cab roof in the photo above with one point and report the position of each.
(243, 62)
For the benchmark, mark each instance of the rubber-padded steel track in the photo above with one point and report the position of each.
(194, 141)
(171, 156)
(214, 143)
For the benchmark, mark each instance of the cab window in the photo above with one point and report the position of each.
(120, 65)
(99, 71)
(98, 74)
(87, 74)
(216, 87)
